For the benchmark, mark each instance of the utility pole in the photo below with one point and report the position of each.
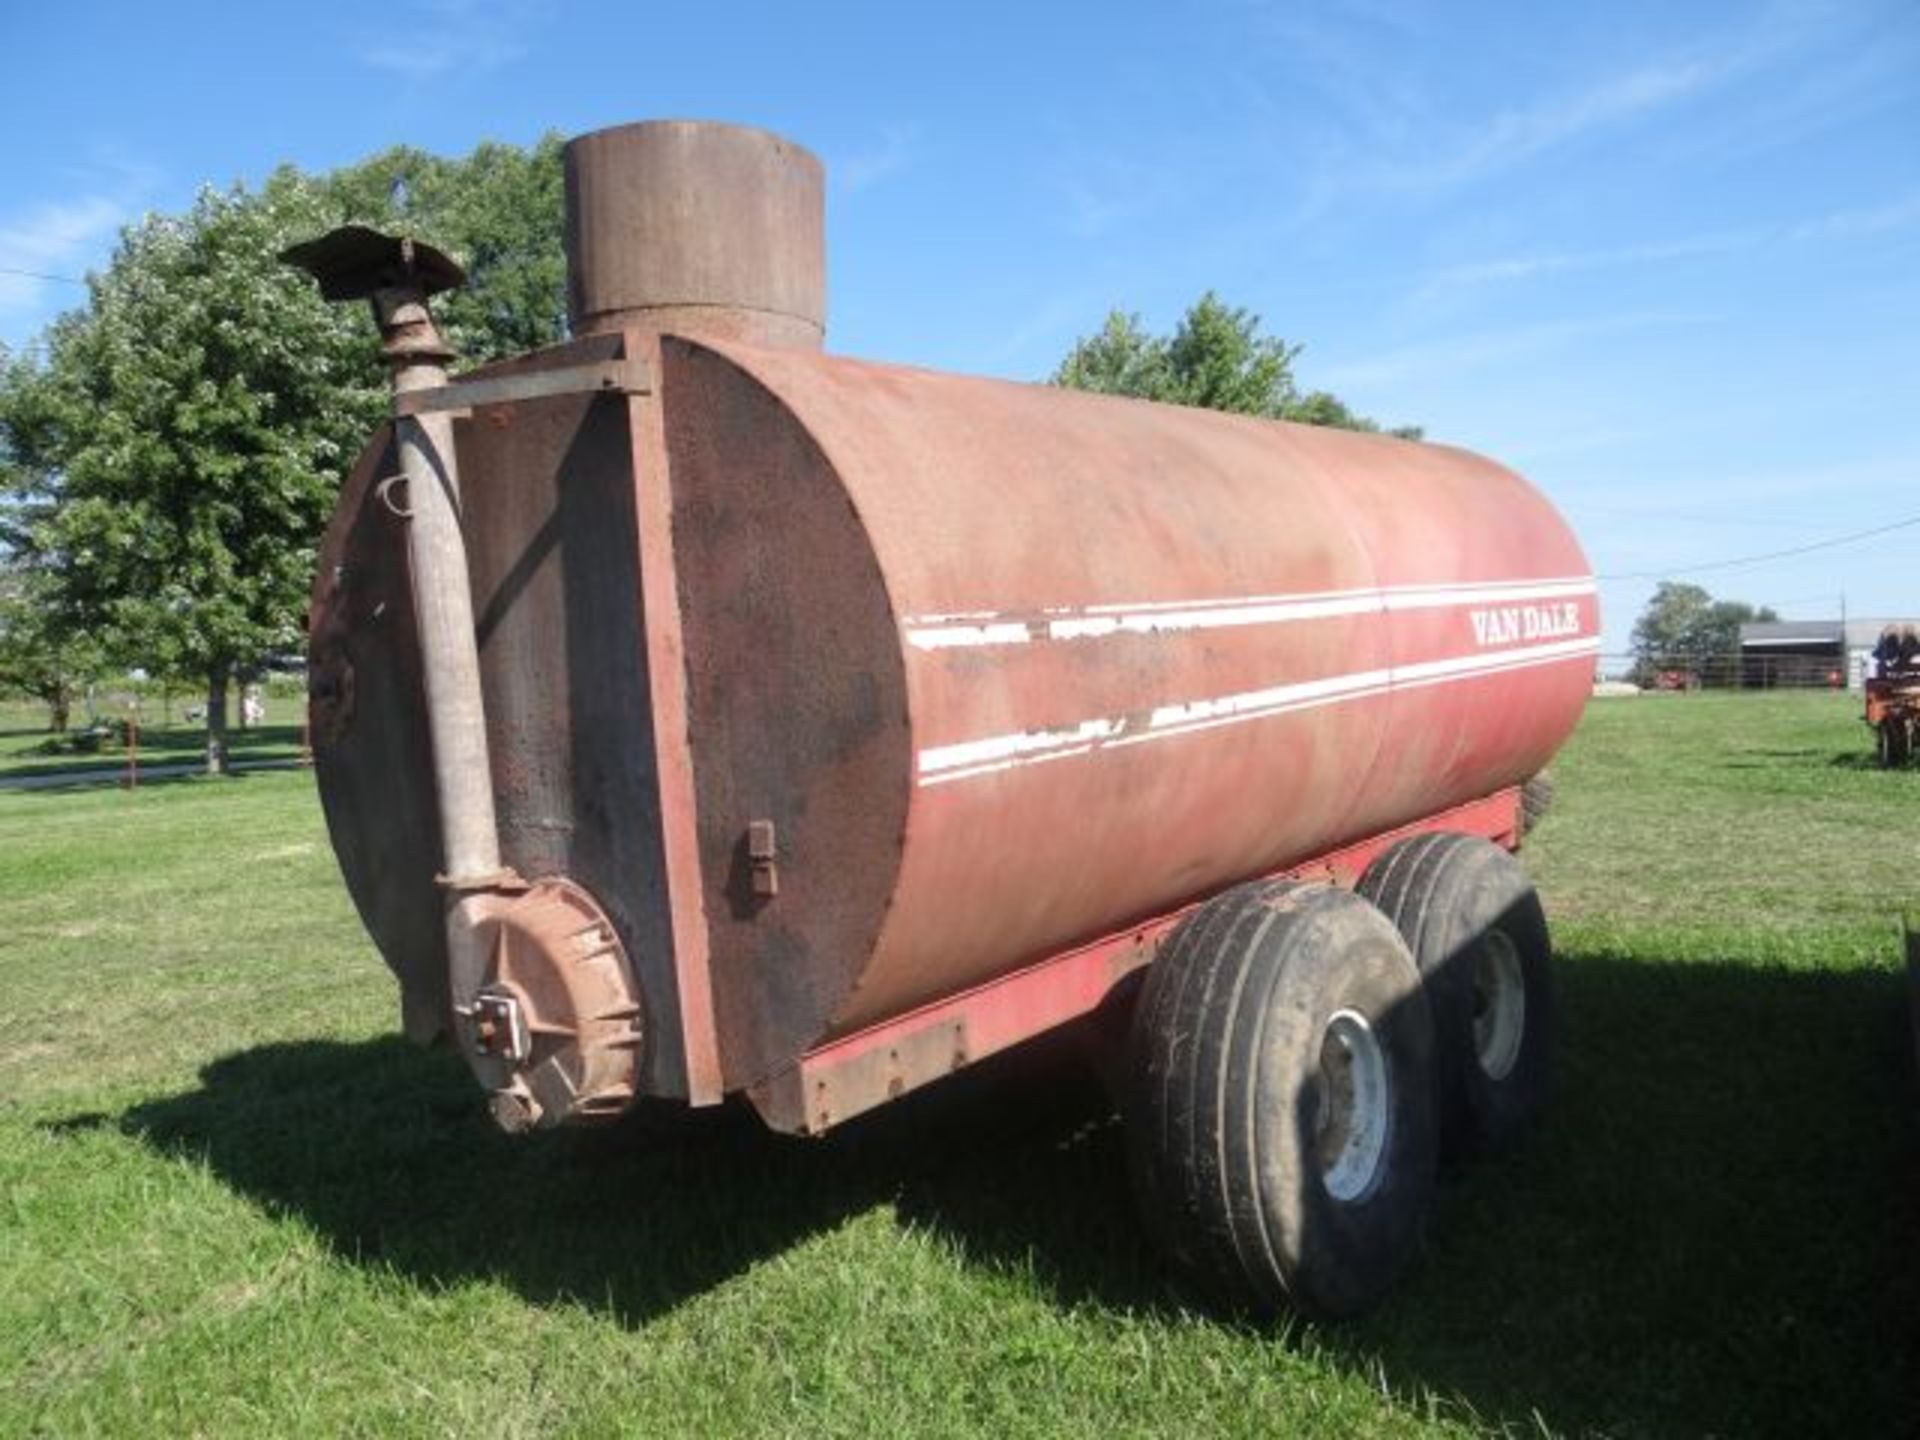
(1846, 646)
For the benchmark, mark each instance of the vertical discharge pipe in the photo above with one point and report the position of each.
(449, 652)
(397, 275)
(449, 649)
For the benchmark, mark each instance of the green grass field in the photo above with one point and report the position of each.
(27, 749)
(232, 1203)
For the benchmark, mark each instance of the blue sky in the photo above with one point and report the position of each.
(1660, 258)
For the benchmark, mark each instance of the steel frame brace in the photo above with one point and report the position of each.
(609, 377)
(854, 1074)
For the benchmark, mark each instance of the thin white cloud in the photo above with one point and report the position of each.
(1050, 321)
(461, 38)
(67, 234)
(1339, 56)
(1859, 224)
(54, 238)
(1846, 65)
(1839, 225)
(1515, 136)
(1409, 147)
(1445, 282)
(1580, 441)
(887, 157)
(416, 60)
(1100, 194)
(1452, 355)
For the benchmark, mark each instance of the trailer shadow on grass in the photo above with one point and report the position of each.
(1716, 1231)
(386, 1151)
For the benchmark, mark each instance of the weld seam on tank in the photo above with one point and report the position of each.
(583, 323)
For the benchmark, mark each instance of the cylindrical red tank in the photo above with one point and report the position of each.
(844, 688)
(1011, 666)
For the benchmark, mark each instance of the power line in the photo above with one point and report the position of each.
(1765, 556)
(1686, 517)
(40, 275)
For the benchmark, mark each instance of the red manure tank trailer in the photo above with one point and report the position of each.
(700, 715)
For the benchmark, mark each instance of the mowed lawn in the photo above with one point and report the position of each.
(232, 1202)
(165, 738)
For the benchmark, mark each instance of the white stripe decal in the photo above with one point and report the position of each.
(940, 764)
(973, 629)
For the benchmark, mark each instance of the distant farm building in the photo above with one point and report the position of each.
(1804, 653)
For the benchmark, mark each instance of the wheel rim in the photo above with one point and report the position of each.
(1499, 1004)
(1351, 1130)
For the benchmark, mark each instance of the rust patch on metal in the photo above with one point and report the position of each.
(552, 533)
(372, 756)
(796, 713)
(330, 698)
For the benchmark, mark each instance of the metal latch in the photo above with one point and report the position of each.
(762, 848)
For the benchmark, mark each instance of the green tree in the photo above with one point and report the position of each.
(1217, 358)
(1120, 359)
(176, 446)
(1684, 628)
(169, 454)
(43, 653)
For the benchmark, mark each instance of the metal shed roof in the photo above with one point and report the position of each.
(1856, 634)
(1793, 632)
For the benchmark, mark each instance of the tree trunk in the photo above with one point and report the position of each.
(217, 720)
(59, 711)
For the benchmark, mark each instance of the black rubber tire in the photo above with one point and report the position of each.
(1223, 1101)
(1536, 799)
(1458, 900)
(1896, 744)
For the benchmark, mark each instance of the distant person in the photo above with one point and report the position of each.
(1909, 650)
(1886, 653)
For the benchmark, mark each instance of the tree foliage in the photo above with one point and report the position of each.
(181, 440)
(170, 453)
(1683, 628)
(1216, 358)
(43, 652)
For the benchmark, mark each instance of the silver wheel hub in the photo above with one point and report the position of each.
(1350, 1138)
(1499, 1005)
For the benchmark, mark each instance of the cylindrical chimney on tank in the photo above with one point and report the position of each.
(699, 229)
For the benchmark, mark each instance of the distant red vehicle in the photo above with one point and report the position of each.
(1893, 711)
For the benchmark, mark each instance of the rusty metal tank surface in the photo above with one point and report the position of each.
(1010, 667)
(845, 688)
(696, 228)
